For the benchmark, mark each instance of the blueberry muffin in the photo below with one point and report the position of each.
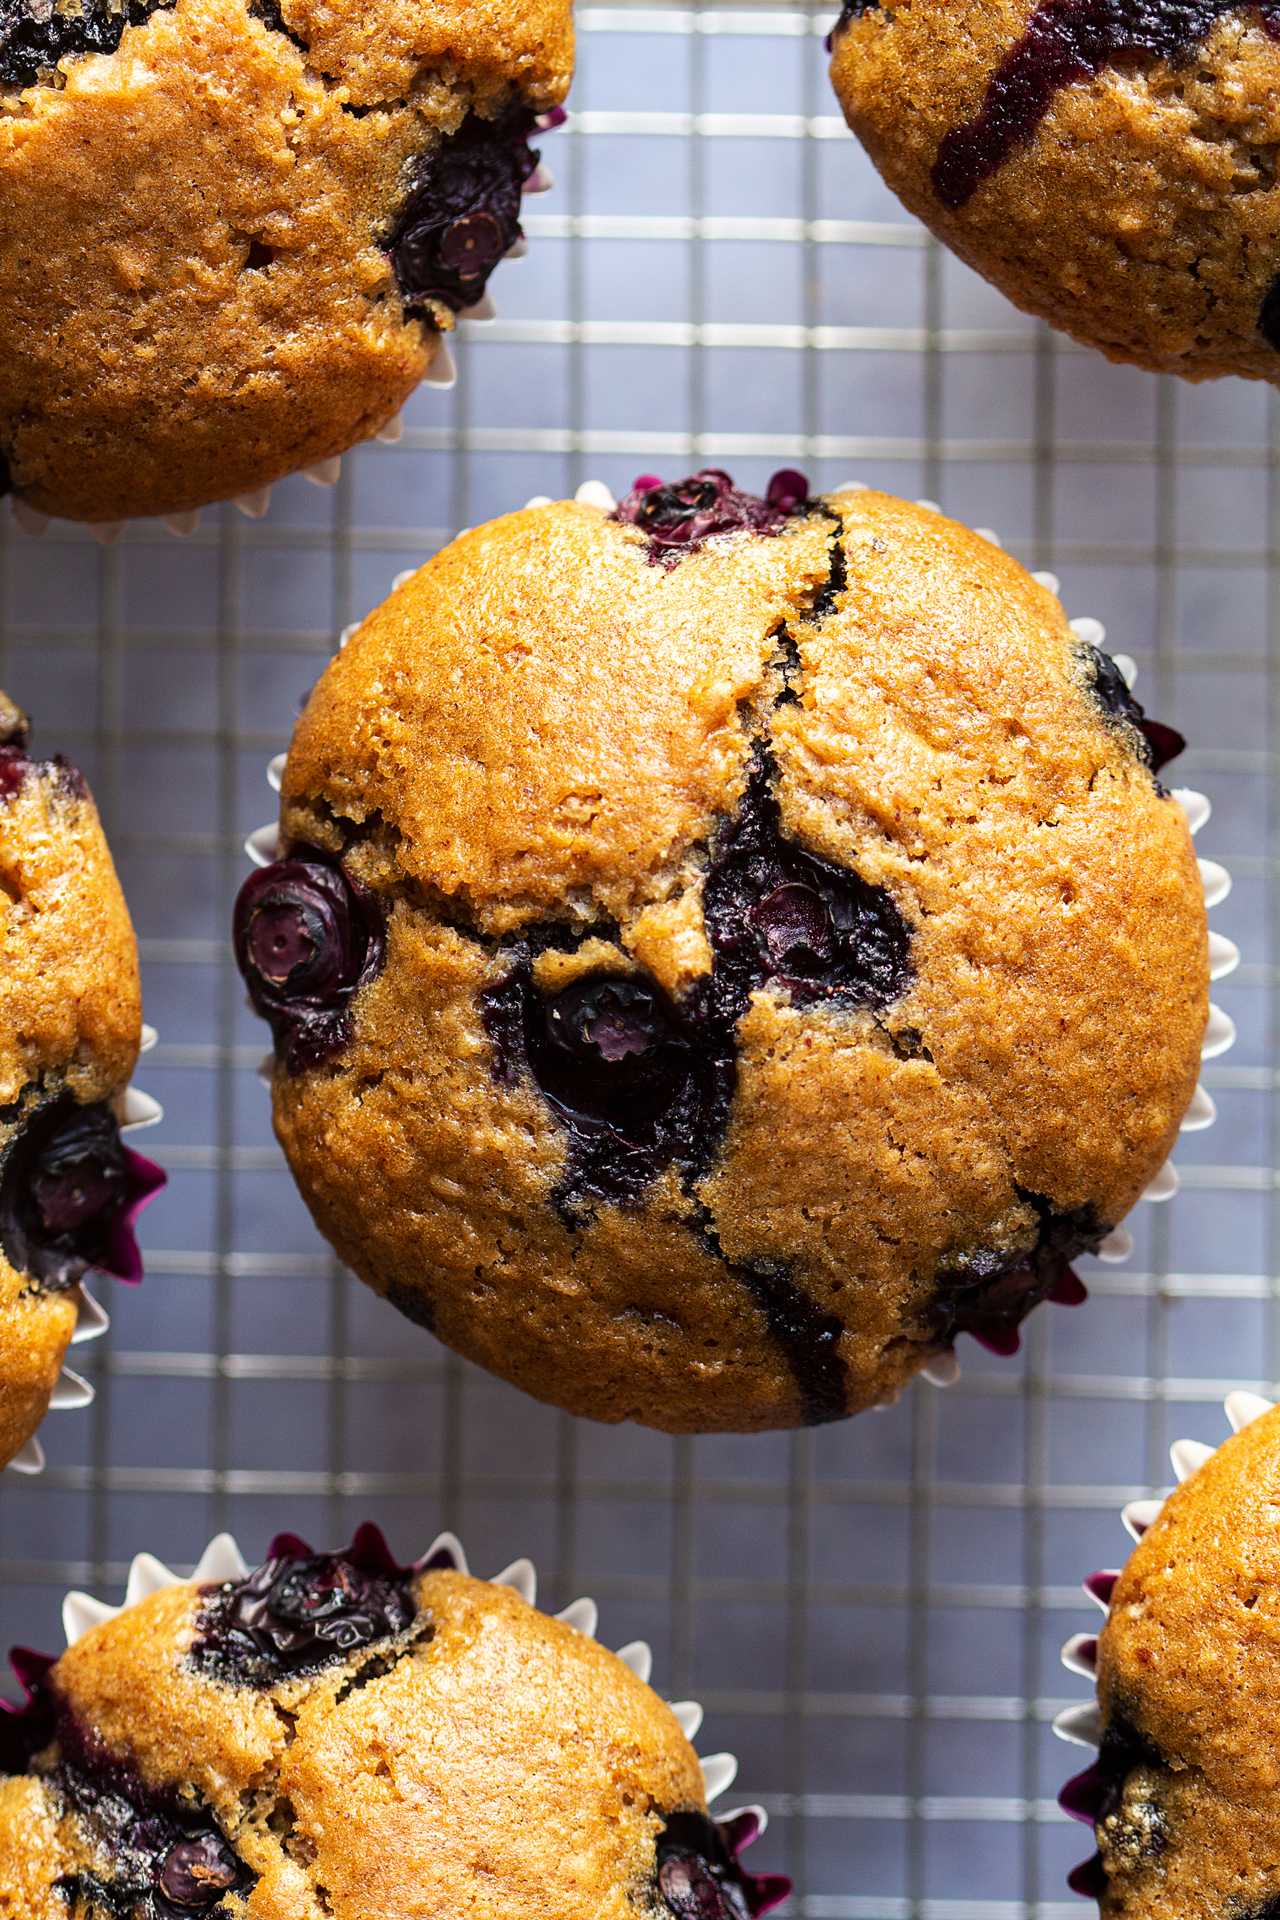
(232, 231)
(724, 948)
(1184, 1796)
(70, 1028)
(337, 1735)
(1107, 164)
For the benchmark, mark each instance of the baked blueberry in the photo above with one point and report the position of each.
(791, 960)
(1097, 160)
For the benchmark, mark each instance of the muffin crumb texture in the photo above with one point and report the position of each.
(1108, 165)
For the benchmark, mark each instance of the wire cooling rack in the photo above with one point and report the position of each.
(871, 1612)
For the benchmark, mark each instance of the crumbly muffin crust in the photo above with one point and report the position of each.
(196, 290)
(70, 1024)
(1142, 213)
(1189, 1691)
(557, 772)
(484, 1760)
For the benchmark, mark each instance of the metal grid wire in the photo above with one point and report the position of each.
(870, 1612)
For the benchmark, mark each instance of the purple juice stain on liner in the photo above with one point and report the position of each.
(697, 1871)
(1067, 41)
(681, 517)
(307, 936)
(303, 1611)
(70, 1192)
(463, 211)
(1096, 1794)
(1156, 744)
(989, 1294)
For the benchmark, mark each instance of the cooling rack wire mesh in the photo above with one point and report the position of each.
(871, 1612)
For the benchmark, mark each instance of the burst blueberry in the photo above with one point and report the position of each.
(70, 1192)
(308, 936)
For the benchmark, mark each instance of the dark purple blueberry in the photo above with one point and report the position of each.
(608, 1039)
(796, 928)
(1095, 1795)
(698, 1874)
(302, 1611)
(1159, 744)
(991, 1294)
(307, 937)
(680, 517)
(196, 1872)
(35, 34)
(1067, 41)
(70, 1192)
(777, 913)
(641, 1084)
(16, 766)
(463, 211)
(851, 10)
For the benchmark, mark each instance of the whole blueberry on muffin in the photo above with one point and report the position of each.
(1184, 1796)
(723, 948)
(1108, 164)
(232, 231)
(337, 1735)
(70, 1032)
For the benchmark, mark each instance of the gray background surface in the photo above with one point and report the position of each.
(871, 1612)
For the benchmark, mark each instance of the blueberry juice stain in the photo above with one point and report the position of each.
(463, 211)
(641, 1083)
(1067, 41)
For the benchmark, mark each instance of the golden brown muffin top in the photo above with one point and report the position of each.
(542, 723)
(481, 1759)
(1138, 216)
(1191, 1649)
(197, 291)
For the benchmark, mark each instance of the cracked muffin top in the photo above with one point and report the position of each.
(1108, 164)
(335, 1735)
(724, 948)
(231, 232)
(1184, 1794)
(70, 1026)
